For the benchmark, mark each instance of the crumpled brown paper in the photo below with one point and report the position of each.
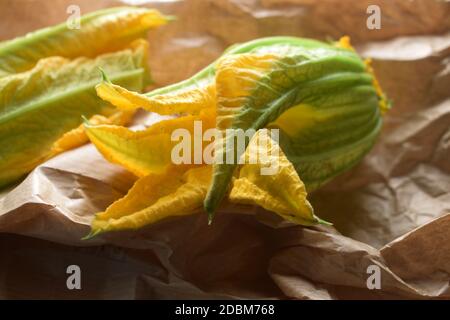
(392, 210)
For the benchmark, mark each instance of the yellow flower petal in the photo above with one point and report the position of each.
(154, 198)
(191, 101)
(237, 76)
(146, 151)
(282, 191)
(77, 137)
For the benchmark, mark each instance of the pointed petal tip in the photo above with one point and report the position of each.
(323, 222)
(210, 219)
(209, 211)
(91, 235)
(86, 122)
(104, 76)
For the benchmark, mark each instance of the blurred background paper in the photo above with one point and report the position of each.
(391, 211)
